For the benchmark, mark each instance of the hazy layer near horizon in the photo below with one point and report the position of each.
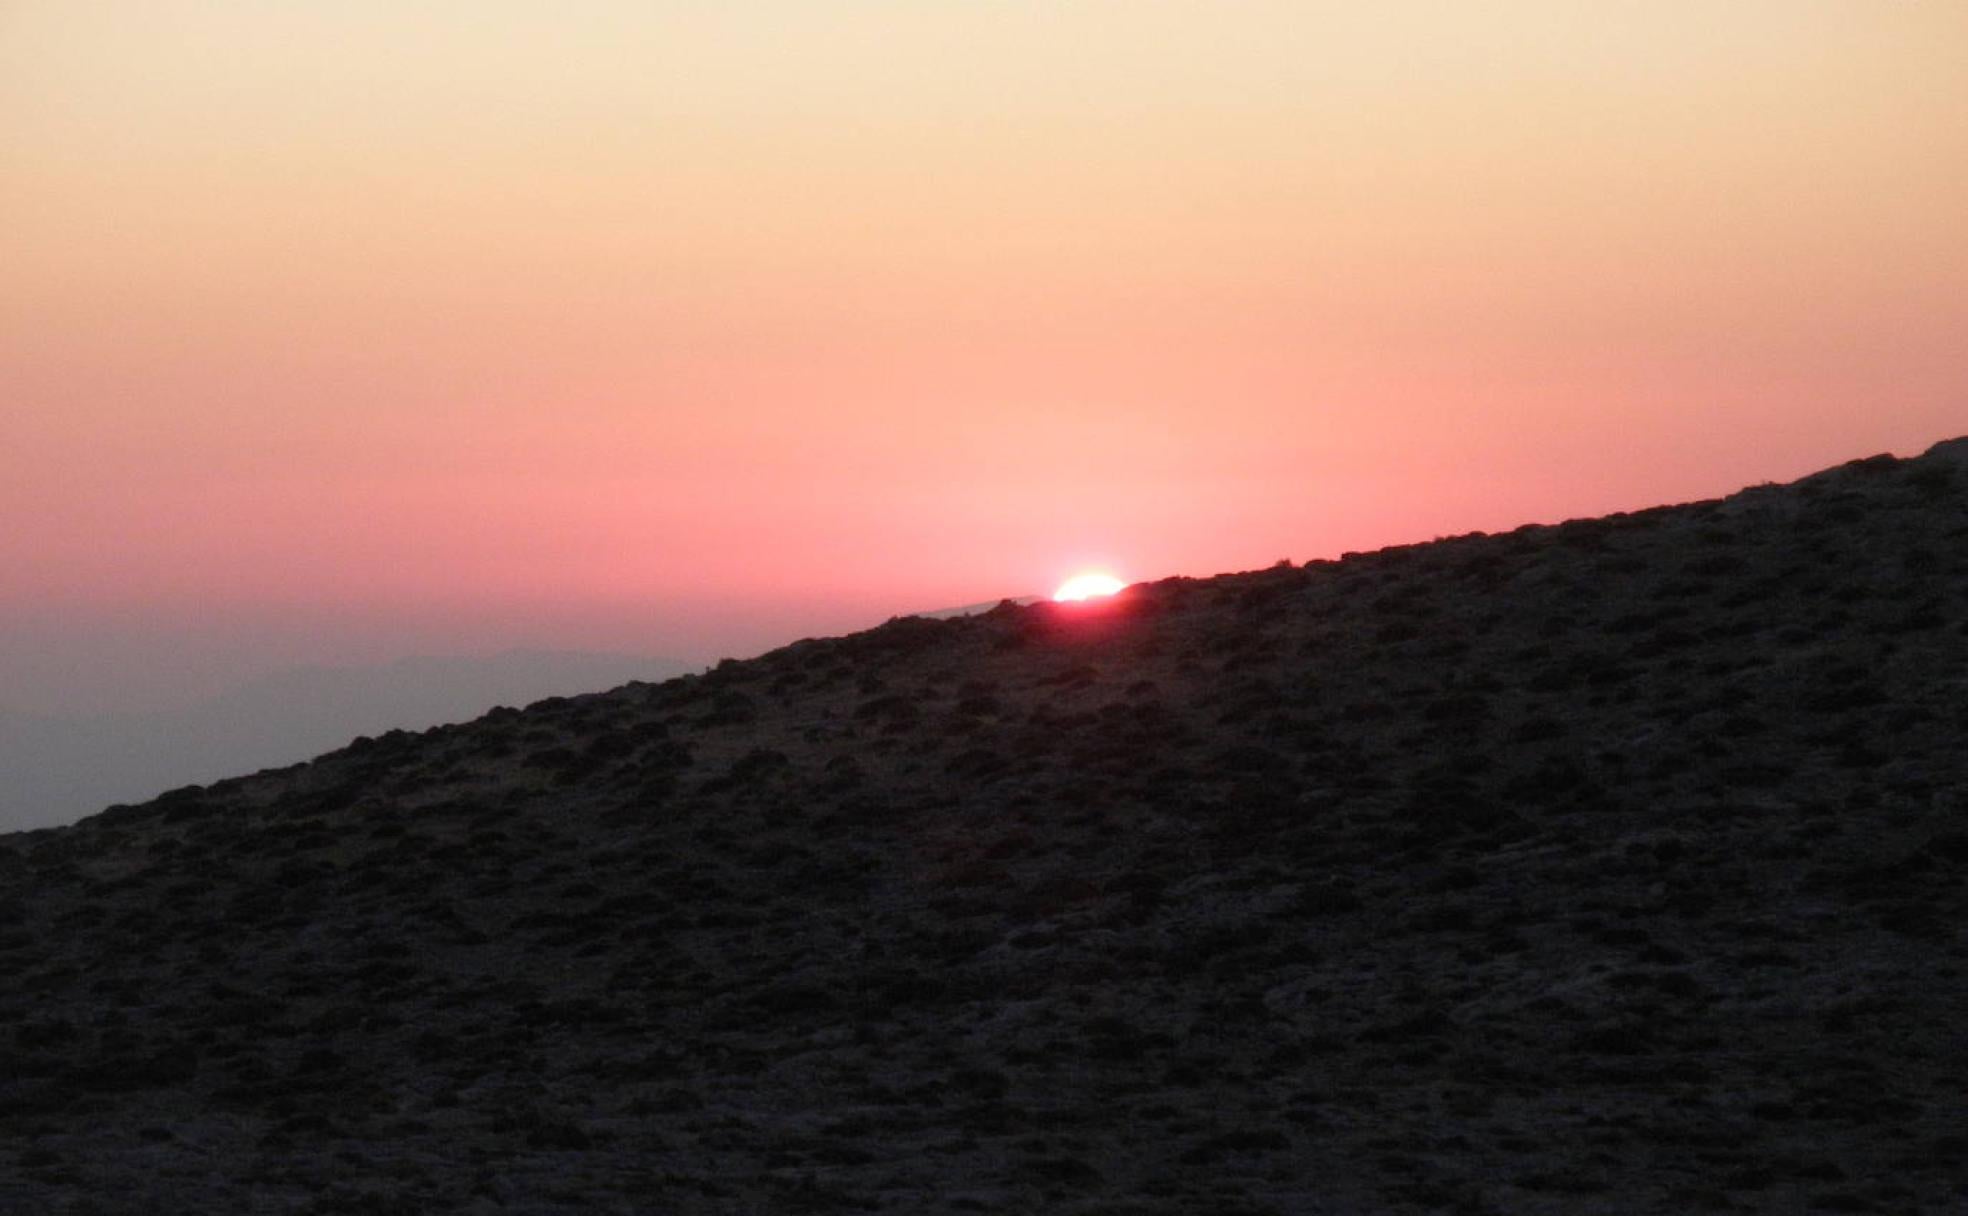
(60, 767)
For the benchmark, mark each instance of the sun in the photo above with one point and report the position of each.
(1090, 585)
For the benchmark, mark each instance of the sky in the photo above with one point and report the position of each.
(333, 332)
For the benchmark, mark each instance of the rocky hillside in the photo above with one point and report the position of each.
(1616, 866)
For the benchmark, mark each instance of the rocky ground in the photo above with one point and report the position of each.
(1616, 866)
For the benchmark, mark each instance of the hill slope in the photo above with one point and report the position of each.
(1611, 866)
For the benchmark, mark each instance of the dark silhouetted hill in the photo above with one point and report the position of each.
(1613, 866)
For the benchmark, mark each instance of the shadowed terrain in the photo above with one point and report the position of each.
(1614, 866)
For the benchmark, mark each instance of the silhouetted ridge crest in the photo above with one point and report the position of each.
(1614, 861)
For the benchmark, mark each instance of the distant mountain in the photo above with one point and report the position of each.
(1616, 866)
(58, 769)
(945, 614)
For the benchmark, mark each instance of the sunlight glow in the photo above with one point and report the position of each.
(1090, 585)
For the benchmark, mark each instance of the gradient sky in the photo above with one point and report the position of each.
(335, 330)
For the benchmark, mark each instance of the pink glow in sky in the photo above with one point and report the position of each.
(689, 328)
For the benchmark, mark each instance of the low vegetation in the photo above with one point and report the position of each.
(1615, 866)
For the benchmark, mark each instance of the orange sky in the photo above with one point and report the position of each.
(691, 328)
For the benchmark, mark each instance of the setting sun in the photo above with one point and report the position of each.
(1087, 586)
